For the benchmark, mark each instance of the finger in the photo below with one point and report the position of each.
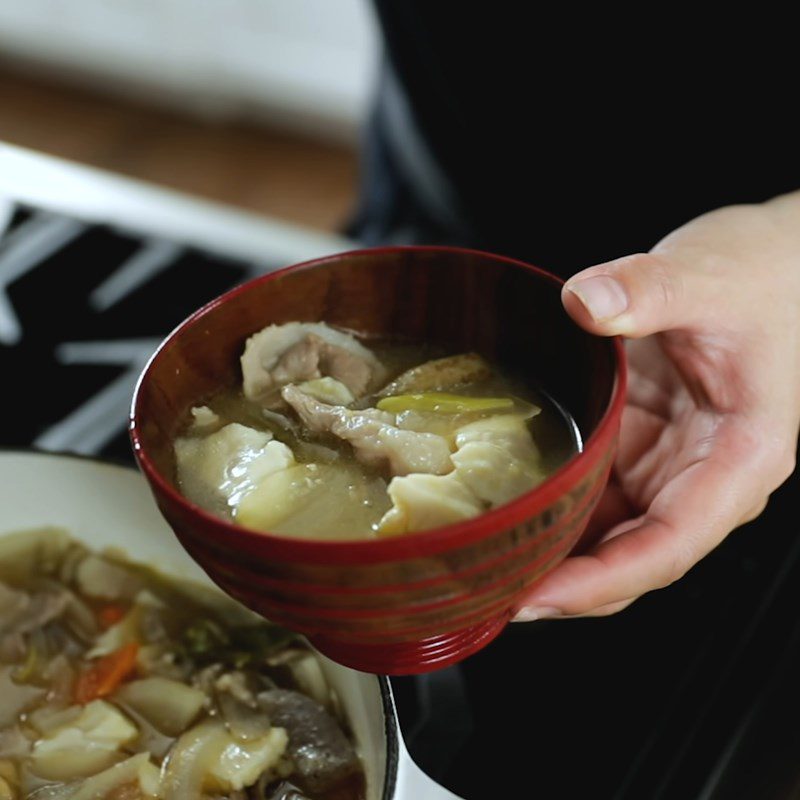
(633, 296)
(603, 611)
(686, 520)
(755, 511)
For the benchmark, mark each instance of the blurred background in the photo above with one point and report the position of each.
(255, 103)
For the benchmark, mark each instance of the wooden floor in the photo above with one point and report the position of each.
(266, 171)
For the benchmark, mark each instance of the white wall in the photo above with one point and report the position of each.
(306, 64)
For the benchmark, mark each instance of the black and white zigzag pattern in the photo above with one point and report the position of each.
(82, 307)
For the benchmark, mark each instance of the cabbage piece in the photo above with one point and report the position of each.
(315, 500)
(48, 720)
(59, 673)
(13, 743)
(241, 764)
(169, 706)
(218, 471)
(136, 771)
(136, 626)
(203, 419)
(8, 771)
(423, 501)
(207, 757)
(98, 577)
(245, 722)
(126, 631)
(85, 744)
(150, 739)
(310, 679)
(15, 697)
(30, 553)
(279, 495)
(508, 431)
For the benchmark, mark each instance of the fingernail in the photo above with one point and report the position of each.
(603, 297)
(531, 614)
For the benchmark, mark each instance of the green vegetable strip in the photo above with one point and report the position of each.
(442, 403)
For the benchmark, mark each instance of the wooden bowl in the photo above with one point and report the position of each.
(424, 600)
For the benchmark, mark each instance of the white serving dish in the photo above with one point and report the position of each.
(105, 505)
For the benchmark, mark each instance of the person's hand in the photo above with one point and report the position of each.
(710, 428)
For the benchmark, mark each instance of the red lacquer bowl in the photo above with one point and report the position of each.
(422, 601)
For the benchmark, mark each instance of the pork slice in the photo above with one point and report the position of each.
(299, 363)
(22, 612)
(303, 351)
(313, 357)
(375, 439)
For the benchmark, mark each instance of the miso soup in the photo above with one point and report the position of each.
(327, 438)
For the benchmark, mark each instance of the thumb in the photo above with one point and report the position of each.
(632, 296)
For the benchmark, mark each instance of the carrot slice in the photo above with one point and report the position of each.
(111, 614)
(106, 674)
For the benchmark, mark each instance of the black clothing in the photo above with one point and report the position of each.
(567, 140)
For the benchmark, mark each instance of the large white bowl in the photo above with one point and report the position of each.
(105, 505)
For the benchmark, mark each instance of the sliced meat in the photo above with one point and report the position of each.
(21, 612)
(299, 363)
(321, 753)
(312, 358)
(328, 390)
(373, 435)
(347, 367)
(495, 461)
(303, 351)
(439, 374)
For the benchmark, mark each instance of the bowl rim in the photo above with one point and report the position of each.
(410, 545)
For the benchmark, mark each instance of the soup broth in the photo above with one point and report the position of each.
(432, 439)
